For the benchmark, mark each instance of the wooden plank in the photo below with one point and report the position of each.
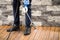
(14, 36)
(53, 28)
(5, 33)
(40, 28)
(51, 36)
(59, 35)
(39, 38)
(47, 35)
(56, 36)
(52, 33)
(37, 34)
(19, 35)
(44, 35)
(41, 35)
(45, 28)
(48, 28)
(1, 27)
(57, 29)
(11, 35)
(2, 31)
(33, 34)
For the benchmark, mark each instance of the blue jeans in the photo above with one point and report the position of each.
(16, 5)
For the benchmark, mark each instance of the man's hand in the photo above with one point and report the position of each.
(25, 9)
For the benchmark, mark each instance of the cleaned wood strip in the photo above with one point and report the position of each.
(37, 35)
(18, 36)
(47, 35)
(43, 37)
(21, 37)
(51, 36)
(56, 36)
(59, 35)
(41, 34)
(33, 34)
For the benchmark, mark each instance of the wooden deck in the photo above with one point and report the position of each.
(40, 33)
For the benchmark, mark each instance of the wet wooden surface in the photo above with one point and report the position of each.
(40, 33)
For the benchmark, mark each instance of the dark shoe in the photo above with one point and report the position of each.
(27, 31)
(14, 28)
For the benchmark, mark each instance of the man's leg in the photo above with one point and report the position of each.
(16, 5)
(27, 21)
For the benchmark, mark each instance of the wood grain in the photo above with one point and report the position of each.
(40, 33)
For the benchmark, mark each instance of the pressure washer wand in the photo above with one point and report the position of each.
(26, 10)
